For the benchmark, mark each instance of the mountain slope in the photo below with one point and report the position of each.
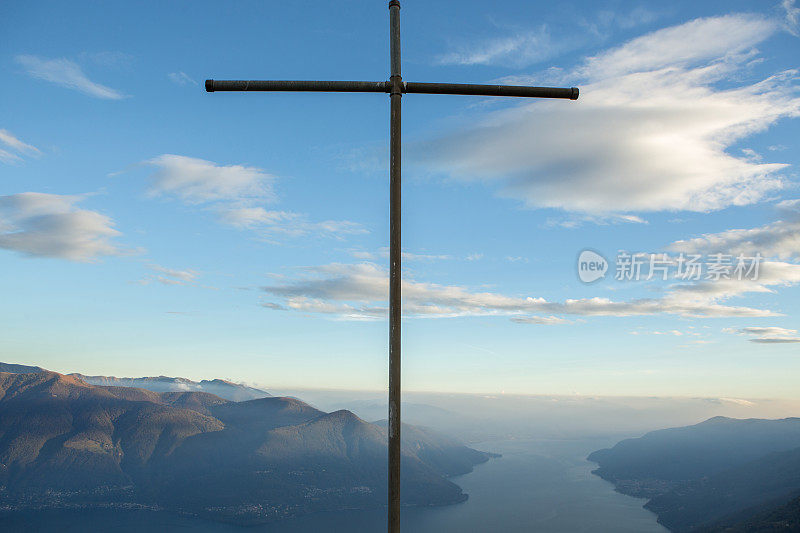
(64, 442)
(715, 474)
(59, 433)
(785, 517)
(771, 479)
(448, 456)
(327, 461)
(664, 459)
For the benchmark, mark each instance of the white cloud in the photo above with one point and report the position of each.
(672, 332)
(197, 181)
(109, 59)
(649, 133)
(234, 192)
(772, 274)
(181, 78)
(767, 335)
(791, 17)
(50, 225)
(604, 22)
(540, 320)
(780, 239)
(169, 276)
(521, 49)
(67, 74)
(738, 401)
(8, 157)
(772, 331)
(359, 291)
(17, 148)
(383, 253)
(774, 241)
(573, 220)
(15, 144)
(688, 44)
(286, 223)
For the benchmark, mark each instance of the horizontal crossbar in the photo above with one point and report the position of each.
(281, 85)
(570, 93)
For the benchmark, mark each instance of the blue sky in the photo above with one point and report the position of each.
(147, 227)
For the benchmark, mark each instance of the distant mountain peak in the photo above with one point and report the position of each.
(714, 419)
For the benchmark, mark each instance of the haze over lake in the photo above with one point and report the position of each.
(537, 485)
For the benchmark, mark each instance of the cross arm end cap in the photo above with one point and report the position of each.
(209, 86)
(575, 92)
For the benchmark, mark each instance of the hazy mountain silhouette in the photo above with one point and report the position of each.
(721, 471)
(67, 443)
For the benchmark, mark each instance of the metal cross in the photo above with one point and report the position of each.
(395, 87)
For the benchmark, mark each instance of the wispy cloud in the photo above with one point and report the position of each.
(540, 320)
(671, 332)
(236, 193)
(603, 23)
(524, 47)
(50, 225)
(287, 223)
(576, 220)
(181, 78)
(521, 49)
(170, 276)
(780, 239)
(16, 148)
(767, 335)
(359, 292)
(651, 131)
(791, 17)
(383, 253)
(67, 74)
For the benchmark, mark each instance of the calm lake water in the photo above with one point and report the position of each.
(537, 486)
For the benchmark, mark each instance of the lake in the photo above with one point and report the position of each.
(537, 486)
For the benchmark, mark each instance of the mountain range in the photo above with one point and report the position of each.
(67, 443)
(720, 475)
(224, 389)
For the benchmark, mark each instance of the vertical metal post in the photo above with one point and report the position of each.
(395, 311)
